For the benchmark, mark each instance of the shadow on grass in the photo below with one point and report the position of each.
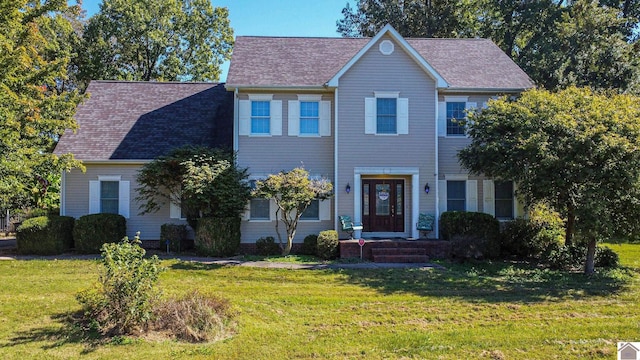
(52, 336)
(493, 282)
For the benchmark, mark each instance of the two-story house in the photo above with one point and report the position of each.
(376, 116)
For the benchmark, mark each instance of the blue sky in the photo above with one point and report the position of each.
(273, 17)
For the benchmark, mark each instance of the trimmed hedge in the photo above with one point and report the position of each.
(45, 235)
(92, 231)
(175, 234)
(218, 236)
(328, 243)
(267, 246)
(309, 245)
(472, 234)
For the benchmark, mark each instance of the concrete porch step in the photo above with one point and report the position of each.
(400, 258)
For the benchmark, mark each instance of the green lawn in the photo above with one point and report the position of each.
(492, 311)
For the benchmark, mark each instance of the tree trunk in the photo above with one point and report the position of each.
(571, 225)
(589, 265)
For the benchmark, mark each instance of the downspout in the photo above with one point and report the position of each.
(335, 159)
(236, 120)
(437, 174)
(63, 193)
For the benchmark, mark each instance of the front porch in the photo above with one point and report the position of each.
(396, 250)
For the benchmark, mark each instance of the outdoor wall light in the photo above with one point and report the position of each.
(348, 188)
(427, 188)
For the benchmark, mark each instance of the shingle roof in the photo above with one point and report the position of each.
(295, 61)
(143, 120)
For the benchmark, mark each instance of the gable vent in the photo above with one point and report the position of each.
(386, 47)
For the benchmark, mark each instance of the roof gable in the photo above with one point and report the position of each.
(390, 31)
(310, 63)
(144, 120)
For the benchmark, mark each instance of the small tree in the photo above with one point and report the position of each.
(293, 191)
(576, 150)
(205, 182)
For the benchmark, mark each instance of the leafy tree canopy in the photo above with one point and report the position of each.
(163, 40)
(34, 110)
(204, 182)
(293, 191)
(575, 149)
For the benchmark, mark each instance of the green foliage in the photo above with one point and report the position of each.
(267, 246)
(34, 110)
(92, 231)
(557, 43)
(205, 182)
(328, 244)
(293, 191)
(175, 234)
(441, 19)
(195, 317)
(309, 245)
(472, 234)
(573, 257)
(607, 258)
(530, 238)
(218, 236)
(167, 40)
(45, 235)
(574, 149)
(123, 301)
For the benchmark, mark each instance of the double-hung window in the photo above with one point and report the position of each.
(312, 212)
(259, 208)
(456, 195)
(386, 116)
(455, 114)
(260, 117)
(504, 200)
(109, 194)
(309, 118)
(109, 197)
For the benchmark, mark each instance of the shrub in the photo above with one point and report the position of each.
(529, 238)
(122, 303)
(194, 317)
(92, 231)
(174, 234)
(606, 258)
(327, 244)
(472, 234)
(218, 236)
(573, 257)
(45, 235)
(267, 246)
(309, 245)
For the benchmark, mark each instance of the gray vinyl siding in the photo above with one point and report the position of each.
(272, 154)
(77, 199)
(395, 72)
(448, 147)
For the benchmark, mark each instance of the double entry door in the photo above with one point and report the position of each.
(383, 205)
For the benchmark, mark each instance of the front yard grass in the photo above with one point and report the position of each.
(480, 310)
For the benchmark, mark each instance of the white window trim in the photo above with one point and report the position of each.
(402, 113)
(109, 177)
(175, 211)
(260, 97)
(124, 195)
(386, 94)
(463, 99)
(324, 116)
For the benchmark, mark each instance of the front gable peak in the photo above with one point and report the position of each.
(387, 47)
